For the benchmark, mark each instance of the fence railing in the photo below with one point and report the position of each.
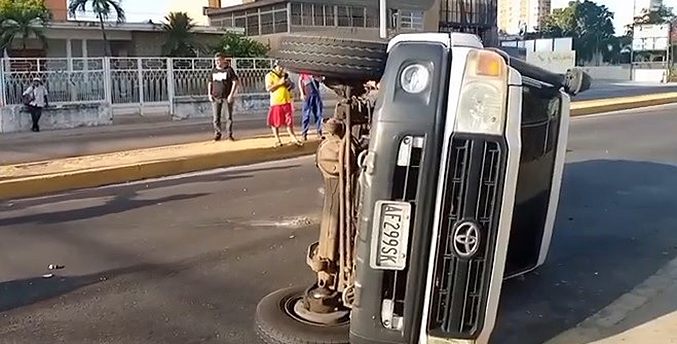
(122, 81)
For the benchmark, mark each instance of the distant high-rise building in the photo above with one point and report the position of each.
(58, 8)
(196, 8)
(515, 16)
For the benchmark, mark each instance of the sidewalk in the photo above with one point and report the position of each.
(43, 177)
(140, 133)
(39, 163)
(646, 315)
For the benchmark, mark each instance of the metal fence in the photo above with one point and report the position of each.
(122, 81)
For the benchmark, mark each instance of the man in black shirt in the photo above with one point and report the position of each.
(222, 88)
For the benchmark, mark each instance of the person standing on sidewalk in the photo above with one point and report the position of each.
(309, 86)
(222, 89)
(35, 98)
(281, 108)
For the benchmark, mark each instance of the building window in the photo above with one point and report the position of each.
(318, 15)
(473, 12)
(255, 22)
(372, 17)
(227, 22)
(296, 12)
(343, 16)
(329, 18)
(241, 22)
(267, 26)
(357, 15)
(281, 24)
(252, 23)
(411, 20)
(307, 15)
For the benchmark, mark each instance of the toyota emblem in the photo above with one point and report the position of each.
(467, 240)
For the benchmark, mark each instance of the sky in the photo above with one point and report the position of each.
(142, 10)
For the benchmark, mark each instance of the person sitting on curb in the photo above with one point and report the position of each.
(35, 98)
(281, 112)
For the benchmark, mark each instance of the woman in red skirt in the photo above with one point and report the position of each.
(281, 104)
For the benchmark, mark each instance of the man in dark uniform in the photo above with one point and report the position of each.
(222, 88)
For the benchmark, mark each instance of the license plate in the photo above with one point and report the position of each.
(390, 235)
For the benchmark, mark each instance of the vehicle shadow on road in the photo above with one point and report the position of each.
(118, 204)
(203, 286)
(615, 229)
(24, 292)
(131, 189)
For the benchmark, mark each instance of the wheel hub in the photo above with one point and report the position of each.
(336, 317)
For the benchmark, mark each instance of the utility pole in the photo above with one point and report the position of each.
(632, 43)
(383, 9)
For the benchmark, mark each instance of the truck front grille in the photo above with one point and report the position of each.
(472, 193)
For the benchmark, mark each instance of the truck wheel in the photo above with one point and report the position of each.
(277, 322)
(344, 59)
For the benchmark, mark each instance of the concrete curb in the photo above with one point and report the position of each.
(603, 327)
(50, 183)
(590, 107)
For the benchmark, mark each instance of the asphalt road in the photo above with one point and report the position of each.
(186, 259)
(30, 147)
(607, 89)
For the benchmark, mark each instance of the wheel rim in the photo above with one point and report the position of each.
(294, 308)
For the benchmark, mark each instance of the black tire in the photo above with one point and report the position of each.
(343, 59)
(274, 325)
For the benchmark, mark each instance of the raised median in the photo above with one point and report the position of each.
(37, 178)
(30, 179)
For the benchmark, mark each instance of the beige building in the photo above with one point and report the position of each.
(268, 20)
(82, 39)
(515, 16)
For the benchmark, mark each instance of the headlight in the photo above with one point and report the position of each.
(484, 94)
(415, 78)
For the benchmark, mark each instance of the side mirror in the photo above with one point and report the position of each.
(577, 81)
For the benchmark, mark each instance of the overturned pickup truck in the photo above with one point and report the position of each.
(438, 186)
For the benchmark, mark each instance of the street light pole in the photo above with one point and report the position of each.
(383, 9)
(632, 43)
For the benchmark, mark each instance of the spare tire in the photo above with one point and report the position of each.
(343, 59)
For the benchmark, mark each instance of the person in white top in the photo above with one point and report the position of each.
(35, 98)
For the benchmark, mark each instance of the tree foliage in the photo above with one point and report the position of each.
(103, 10)
(239, 46)
(591, 26)
(181, 40)
(22, 19)
(660, 15)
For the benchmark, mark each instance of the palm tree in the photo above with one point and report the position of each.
(24, 23)
(103, 10)
(180, 41)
